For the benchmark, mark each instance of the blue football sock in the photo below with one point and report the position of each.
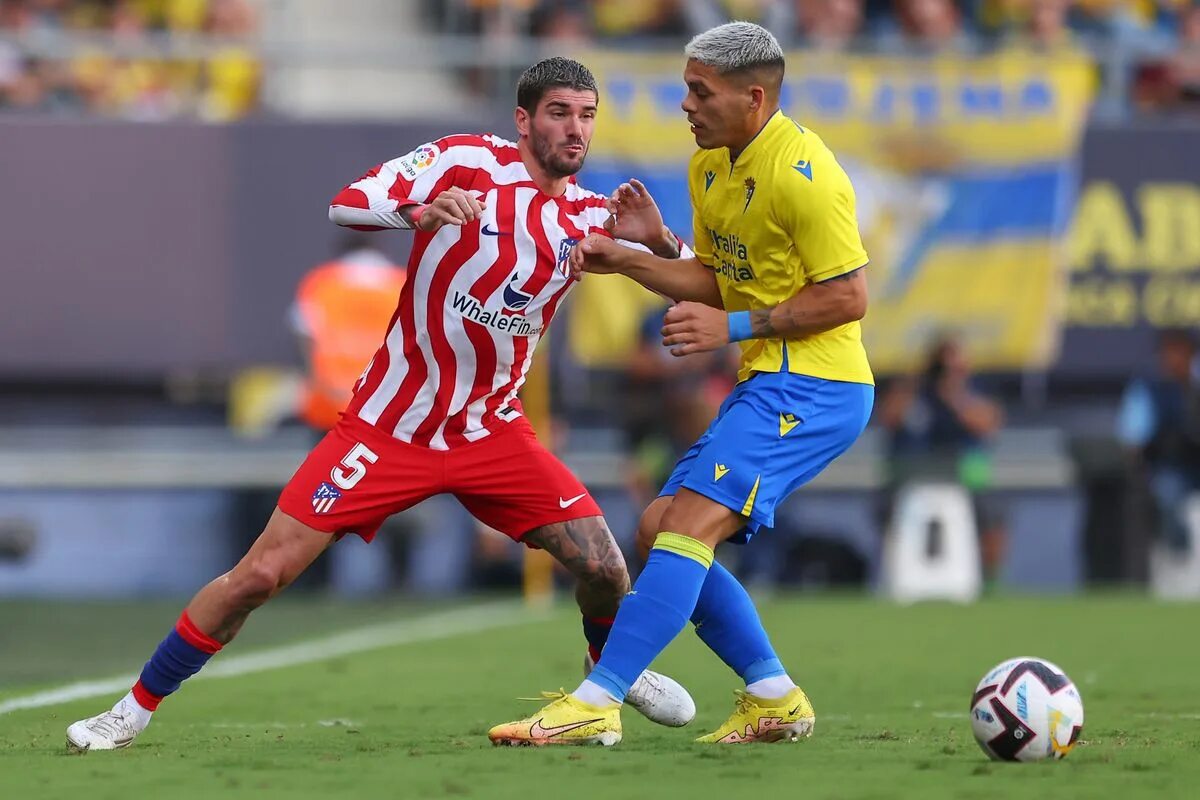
(182, 654)
(727, 621)
(653, 613)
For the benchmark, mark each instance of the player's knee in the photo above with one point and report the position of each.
(254, 583)
(610, 577)
(605, 577)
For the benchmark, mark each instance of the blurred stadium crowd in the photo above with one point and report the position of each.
(98, 56)
(91, 73)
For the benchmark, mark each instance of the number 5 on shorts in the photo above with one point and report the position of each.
(354, 462)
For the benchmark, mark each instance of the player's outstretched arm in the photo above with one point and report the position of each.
(677, 278)
(452, 207)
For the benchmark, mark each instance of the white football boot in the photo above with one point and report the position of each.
(656, 697)
(112, 730)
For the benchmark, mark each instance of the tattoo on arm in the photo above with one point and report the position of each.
(760, 323)
(587, 549)
(671, 248)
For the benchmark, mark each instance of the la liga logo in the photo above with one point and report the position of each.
(424, 157)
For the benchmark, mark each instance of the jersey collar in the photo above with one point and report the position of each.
(765, 133)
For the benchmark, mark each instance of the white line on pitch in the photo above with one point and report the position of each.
(472, 619)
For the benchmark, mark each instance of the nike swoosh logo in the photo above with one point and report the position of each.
(794, 711)
(487, 232)
(536, 730)
(568, 503)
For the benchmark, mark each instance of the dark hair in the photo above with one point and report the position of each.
(550, 73)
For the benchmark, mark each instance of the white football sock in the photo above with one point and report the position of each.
(129, 707)
(771, 688)
(594, 694)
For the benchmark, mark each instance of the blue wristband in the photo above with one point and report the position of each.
(739, 326)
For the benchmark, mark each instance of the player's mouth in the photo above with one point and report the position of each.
(575, 149)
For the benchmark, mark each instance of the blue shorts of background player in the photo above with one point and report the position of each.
(775, 432)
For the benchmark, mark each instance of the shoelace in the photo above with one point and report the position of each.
(646, 685)
(742, 701)
(110, 724)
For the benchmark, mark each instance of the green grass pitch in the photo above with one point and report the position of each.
(890, 685)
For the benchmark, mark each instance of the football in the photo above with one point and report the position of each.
(1026, 709)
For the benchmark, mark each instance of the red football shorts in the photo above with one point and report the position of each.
(358, 476)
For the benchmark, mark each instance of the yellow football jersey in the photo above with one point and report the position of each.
(777, 219)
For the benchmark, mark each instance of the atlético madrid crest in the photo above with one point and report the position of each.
(324, 498)
(564, 253)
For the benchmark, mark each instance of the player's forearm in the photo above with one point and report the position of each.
(351, 209)
(817, 308)
(677, 278)
(668, 246)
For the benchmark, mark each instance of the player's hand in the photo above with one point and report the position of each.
(633, 215)
(598, 254)
(694, 328)
(454, 206)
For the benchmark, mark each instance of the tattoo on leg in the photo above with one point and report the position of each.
(587, 549)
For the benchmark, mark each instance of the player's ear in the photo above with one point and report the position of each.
(758, 96)
(521, 117)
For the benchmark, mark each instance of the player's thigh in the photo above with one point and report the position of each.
(702, 518)
(651, 523)
(510, 482)
(358, 476)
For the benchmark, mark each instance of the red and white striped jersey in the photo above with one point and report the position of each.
(478, 297)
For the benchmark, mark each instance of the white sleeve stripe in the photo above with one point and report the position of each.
(347, 216)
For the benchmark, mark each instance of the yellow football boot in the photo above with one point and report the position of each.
(567, 720)
(758, 719)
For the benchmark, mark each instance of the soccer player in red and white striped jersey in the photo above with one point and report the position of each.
(436, 410)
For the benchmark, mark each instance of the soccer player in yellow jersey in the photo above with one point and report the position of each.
(778, 269)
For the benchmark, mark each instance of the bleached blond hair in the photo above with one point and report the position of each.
(736, 46)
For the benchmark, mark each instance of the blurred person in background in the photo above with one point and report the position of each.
(1159, 421)
(629, 20)
(774, 15)
(939, 427)
(231, 79)
(927, 27)
(1172, 83)
(829, 26)
(565, 24)
(435, 411)
(342, 309)
(1046, 28)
